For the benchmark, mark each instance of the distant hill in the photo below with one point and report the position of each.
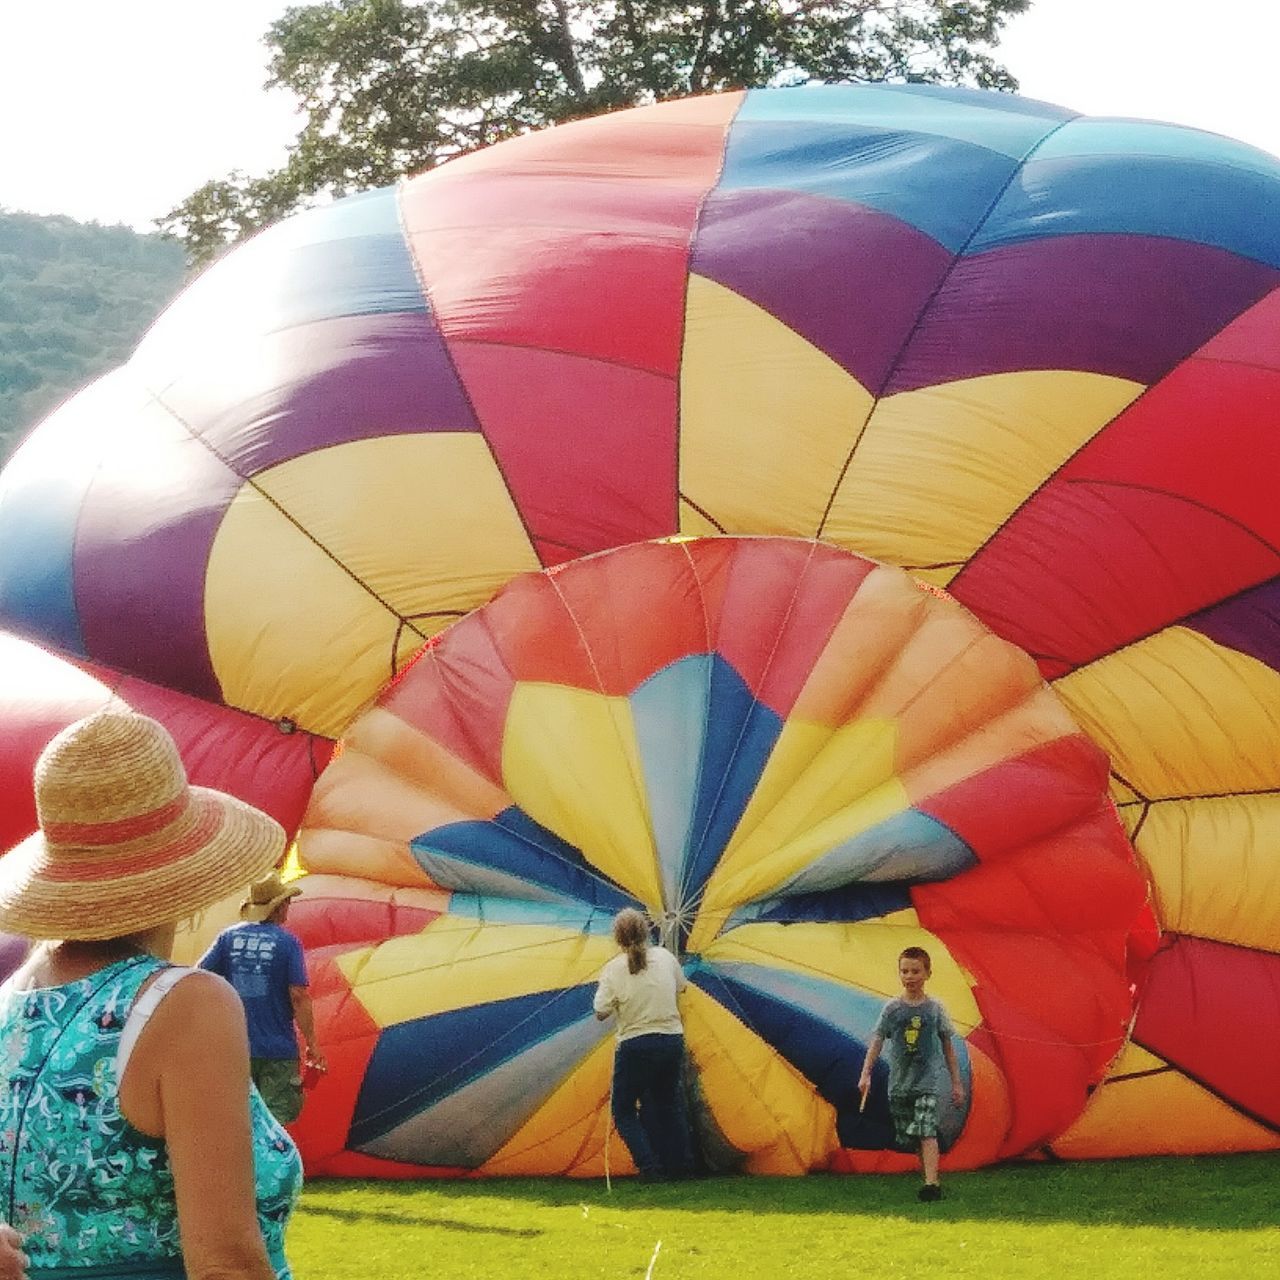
(74, 300)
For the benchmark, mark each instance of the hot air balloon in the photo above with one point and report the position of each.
(1025, 356)
(796, 760)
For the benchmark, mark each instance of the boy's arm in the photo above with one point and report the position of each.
(873, 1052)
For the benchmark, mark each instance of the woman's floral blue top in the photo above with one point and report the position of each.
(82, 1185)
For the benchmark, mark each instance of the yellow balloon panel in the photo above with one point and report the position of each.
(571, 1132)
(936, 575)
(1181, 716)
(760, 1103)
(766, 419)
(562, 765)
(319, 561)
(694, 523)
(839, 796)
(937, 470)
(455, 962)
(1123, 794)
(1131, 1114)
(1215, 867)
(815, 775)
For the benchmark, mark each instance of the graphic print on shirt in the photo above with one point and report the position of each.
(251, 960)
(911, 1033)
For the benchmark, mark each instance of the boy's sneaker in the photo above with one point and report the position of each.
(930, 1191)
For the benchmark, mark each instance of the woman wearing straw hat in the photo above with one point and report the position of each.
(131, 1142)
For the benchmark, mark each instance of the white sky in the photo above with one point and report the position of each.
(115, 110)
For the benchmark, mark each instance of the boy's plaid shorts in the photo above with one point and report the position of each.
(915, 1116)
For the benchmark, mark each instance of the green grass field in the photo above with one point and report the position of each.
(1168, 1219)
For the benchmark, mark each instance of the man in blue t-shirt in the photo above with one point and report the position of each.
(264, 962)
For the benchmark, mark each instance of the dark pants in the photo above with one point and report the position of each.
(646, 1075)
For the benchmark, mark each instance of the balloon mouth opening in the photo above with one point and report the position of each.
(673, 928)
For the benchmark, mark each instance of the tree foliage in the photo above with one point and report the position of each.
(74, 299)
(390, 87)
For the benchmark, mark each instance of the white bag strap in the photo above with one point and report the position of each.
(143, 1007)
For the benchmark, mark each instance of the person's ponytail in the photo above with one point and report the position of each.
(631, 933)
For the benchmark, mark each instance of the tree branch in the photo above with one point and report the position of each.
(710, 19)
(568, 59)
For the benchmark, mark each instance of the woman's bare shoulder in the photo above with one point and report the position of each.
(201, 1005)
(194, 1037)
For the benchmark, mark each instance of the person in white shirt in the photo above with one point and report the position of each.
(640, 987)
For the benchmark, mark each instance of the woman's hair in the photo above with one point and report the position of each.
(631, 933)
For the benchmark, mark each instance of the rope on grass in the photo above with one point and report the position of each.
(648, 1275)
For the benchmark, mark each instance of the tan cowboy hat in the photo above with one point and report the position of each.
(125, 843)
(265, 896)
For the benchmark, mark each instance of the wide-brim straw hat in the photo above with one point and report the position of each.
(125, 842)
(265, 896)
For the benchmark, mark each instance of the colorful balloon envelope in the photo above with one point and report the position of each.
(1028, 356)
(797, 763)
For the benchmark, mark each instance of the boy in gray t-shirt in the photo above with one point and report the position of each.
(918, 1034)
